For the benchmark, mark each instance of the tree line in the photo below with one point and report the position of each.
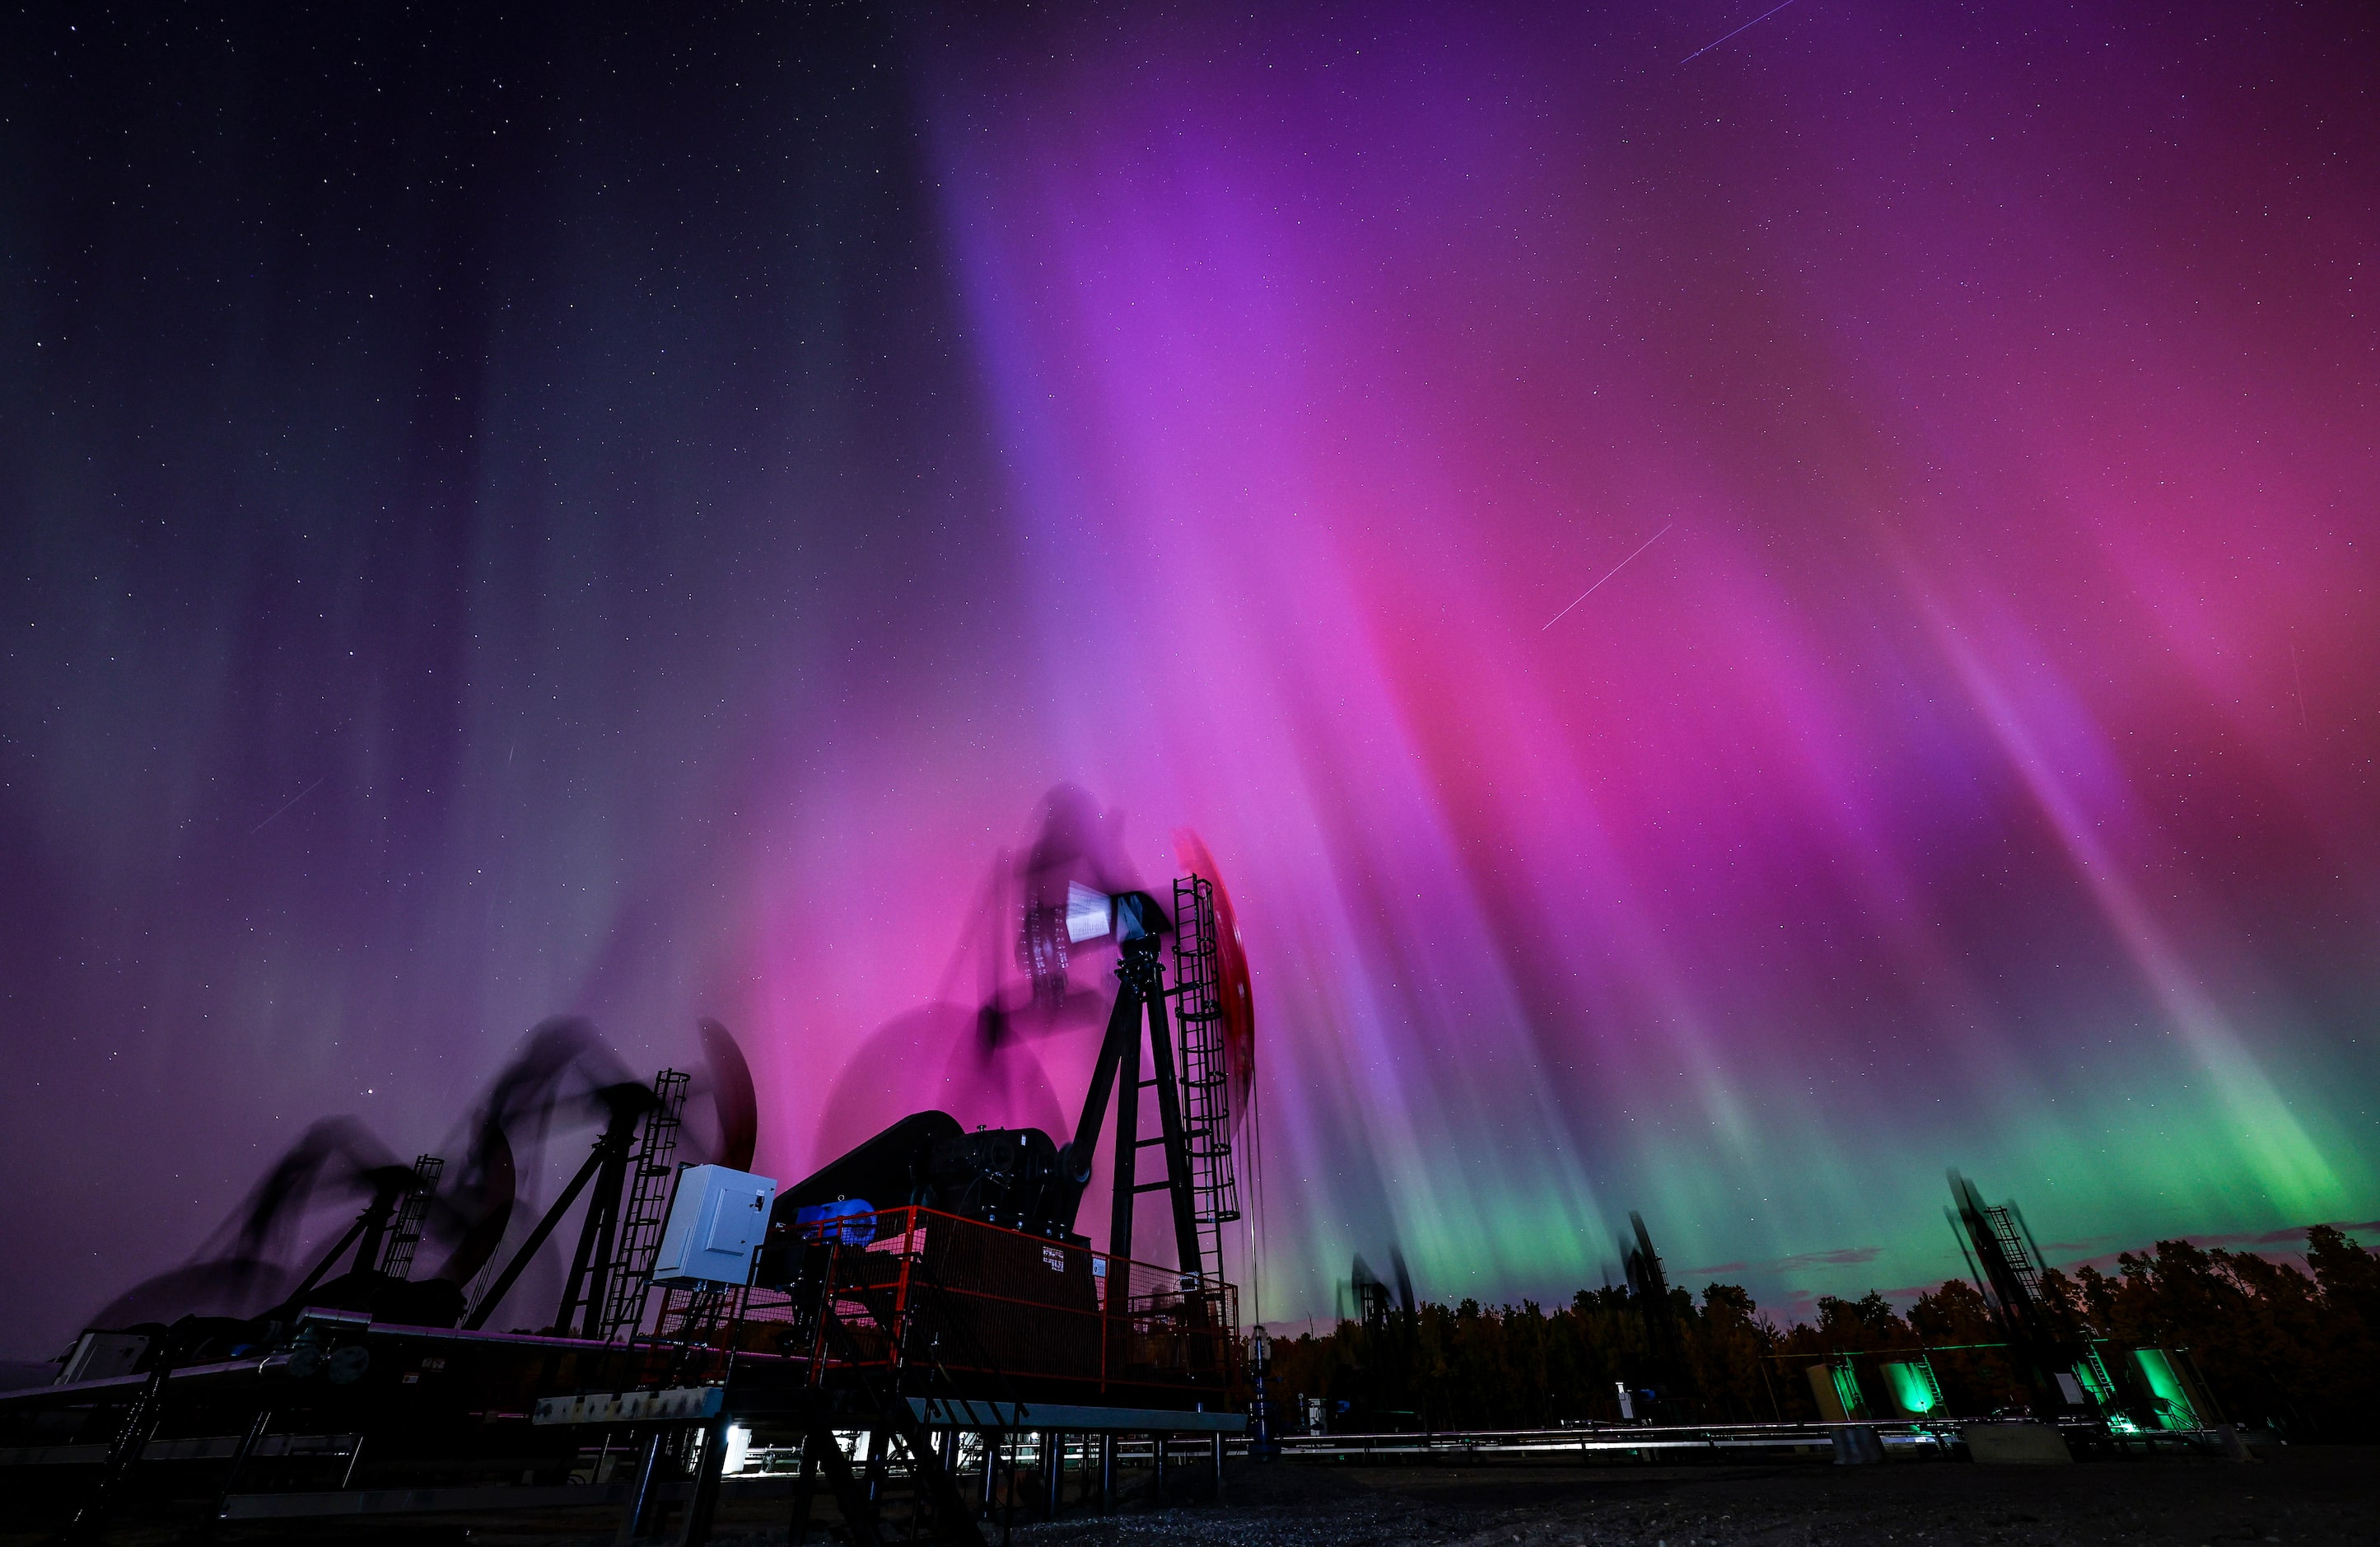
(2296, 1350)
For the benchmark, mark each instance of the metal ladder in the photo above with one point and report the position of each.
(1206, 1095)
(405, 1232)
(2011, 1240)
(646, 1210)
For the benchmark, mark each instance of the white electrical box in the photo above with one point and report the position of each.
(716, 1222)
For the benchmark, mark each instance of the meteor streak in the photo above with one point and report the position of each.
(1746, 28)
(1615, 569)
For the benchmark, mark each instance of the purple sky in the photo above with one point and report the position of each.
(630, 517)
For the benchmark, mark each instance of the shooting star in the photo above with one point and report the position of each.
(285, 805)
(1616, 568)
(1746, 28)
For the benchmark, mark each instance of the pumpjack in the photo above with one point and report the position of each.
(1023, 1179)
(2007, 1263)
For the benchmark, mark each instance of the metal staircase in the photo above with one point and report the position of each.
(646, 1209)
(1206, 1095)
(905, 1489)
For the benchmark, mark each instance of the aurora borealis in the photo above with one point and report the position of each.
(628, 515)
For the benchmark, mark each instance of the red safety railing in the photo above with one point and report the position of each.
(913, 1285)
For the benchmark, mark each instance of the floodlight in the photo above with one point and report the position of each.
(1089, 915)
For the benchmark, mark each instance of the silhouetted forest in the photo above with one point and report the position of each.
(2296, 1350)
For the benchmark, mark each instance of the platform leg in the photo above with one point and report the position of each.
(1008, 1500)
(239, 1461)
(1216, 1440)
(637, 1516)
(696, 1531)
(805, 1491)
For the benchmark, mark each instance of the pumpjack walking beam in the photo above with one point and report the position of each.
(1140, 1001)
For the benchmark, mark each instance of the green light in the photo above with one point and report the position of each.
(1913, 1388)
(2093, 1378)
(2174, 1409)
(1847, 1387)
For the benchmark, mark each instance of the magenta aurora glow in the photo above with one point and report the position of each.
(651, 562)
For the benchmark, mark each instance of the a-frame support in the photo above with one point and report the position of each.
(1140, 1001)
(591, 1264)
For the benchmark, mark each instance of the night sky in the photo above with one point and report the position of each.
(506, 513)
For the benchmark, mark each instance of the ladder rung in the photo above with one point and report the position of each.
(1152, 1187)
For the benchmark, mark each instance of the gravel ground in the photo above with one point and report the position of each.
(2310, 1496)
(2317, 1497)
